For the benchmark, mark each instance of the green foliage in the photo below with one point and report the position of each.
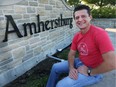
(106, 8)
(73, 2)
(33, 81)
(100, 3)
(105, 12)
(64, 54)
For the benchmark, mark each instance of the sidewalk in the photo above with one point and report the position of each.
(112, 34)
(109, 79)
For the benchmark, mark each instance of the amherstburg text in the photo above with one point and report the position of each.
(33, 27)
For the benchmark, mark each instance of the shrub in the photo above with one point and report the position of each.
(105, 12)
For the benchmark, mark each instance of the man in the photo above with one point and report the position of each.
(96, 54)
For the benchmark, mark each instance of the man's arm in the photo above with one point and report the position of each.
(71, 57)
(73, 72)
(108, 64)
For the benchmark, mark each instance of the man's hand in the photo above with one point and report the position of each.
(83, 70)
(73, 73)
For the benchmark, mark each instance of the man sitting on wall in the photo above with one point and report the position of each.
(96, 54)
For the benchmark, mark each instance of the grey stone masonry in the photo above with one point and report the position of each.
(18, 55)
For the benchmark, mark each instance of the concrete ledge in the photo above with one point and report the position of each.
(109, 80)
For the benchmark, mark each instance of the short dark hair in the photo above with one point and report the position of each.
(81, 7)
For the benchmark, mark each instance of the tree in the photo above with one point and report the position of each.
(100, 3)
(73, 2)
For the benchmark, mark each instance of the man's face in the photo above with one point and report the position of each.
(82, 19)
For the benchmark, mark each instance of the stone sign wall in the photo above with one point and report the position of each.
(29, 30)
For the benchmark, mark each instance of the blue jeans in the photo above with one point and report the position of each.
(63, 67)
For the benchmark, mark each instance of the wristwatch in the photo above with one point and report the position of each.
(89, 72)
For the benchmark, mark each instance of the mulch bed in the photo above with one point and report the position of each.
(38, 75)
(42, 69)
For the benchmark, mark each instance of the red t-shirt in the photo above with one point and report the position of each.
(92, 45)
